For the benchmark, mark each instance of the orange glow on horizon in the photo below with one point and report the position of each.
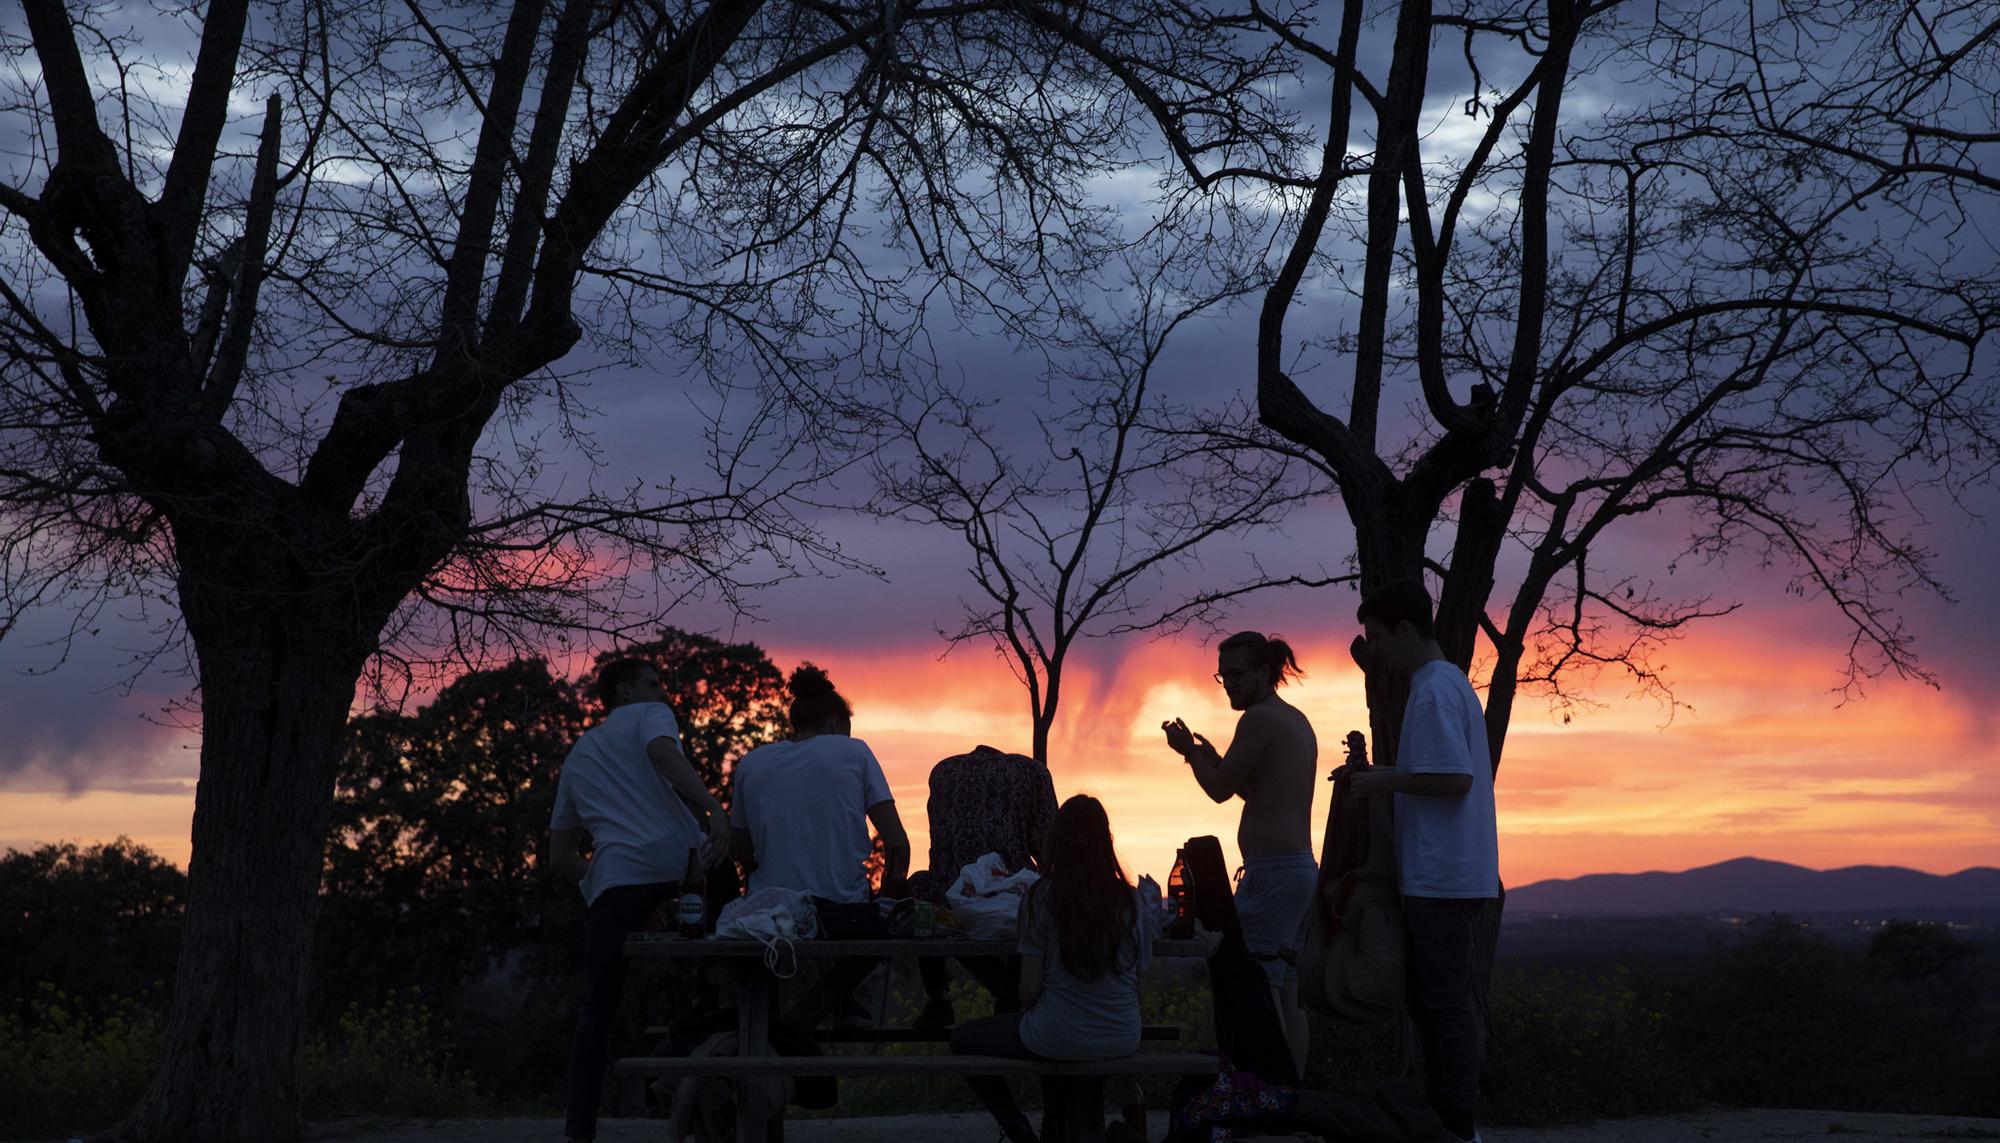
(1763, 761)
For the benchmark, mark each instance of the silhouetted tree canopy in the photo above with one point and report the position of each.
(96, 922)
(728, 698)
(433, 869)
(1787, 1018)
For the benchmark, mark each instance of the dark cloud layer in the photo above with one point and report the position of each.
(72, 730)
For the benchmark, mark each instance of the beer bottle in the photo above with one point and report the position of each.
(1180, 899)
(689, 914)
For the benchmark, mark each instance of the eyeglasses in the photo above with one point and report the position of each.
(1223, 677)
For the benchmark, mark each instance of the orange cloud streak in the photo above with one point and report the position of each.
(1765, 762)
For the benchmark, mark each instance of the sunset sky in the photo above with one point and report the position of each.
(1762, 759)
(1760, 756)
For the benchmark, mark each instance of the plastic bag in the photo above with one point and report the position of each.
(986, 899)
(995, 918)
(767, 915)
(986, 875)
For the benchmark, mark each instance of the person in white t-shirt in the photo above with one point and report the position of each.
(1447, 843)
(803, 806)
(801, 812)
(629, 786)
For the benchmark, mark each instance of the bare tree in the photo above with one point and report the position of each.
(1725, 268)
(300, 374)
(1074, 537)
(1720, 267)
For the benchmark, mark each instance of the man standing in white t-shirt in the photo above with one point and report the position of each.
(628, 785)
(1447, 843)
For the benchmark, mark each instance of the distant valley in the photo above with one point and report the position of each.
(1583, 920)
(1749, 885)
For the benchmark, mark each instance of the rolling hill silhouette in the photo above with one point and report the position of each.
(1752, 885)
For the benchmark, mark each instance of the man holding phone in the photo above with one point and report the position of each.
(1270, 764)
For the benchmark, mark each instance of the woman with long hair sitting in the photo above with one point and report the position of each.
(1084, 942)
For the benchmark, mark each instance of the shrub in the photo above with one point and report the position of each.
(513, 1036)
(1564, 1047)
(1786, 1018)
(66, 1067)
(390, 1060)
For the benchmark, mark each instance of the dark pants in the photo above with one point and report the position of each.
(616, 914)
(1444, 1003)
(1072, 1106)
(831, 990)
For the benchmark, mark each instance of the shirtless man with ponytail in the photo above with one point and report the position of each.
(1270, 764)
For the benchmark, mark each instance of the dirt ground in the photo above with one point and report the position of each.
(1697, 1127)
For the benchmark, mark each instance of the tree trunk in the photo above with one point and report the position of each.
(1500, 693)
(1482, 526)
(1389, 547)
(1043, 708)
(277, 681)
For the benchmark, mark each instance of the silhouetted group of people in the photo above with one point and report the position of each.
(802, 811)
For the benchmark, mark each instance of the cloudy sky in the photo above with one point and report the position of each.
(1760, 755)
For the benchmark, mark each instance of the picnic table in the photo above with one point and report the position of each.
(755, 986)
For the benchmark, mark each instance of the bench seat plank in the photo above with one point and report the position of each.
(1145, 1063)
(1147, 1032)
(665, 946)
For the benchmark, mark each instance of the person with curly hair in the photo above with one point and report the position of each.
(803, 805)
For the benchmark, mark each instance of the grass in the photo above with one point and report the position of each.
(65, 1065)
(68, 1067)
(391, 1060)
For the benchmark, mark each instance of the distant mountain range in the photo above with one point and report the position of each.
(1752, 885)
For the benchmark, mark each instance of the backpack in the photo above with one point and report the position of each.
(1357, 954)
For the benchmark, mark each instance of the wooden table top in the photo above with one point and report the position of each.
(670, 946)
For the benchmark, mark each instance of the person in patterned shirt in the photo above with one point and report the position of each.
(987, 801)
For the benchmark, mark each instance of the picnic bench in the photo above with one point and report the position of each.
(1149, 1033)
(754, 1059)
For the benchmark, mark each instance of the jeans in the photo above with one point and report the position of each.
(1444, 1002)
(616, 914)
